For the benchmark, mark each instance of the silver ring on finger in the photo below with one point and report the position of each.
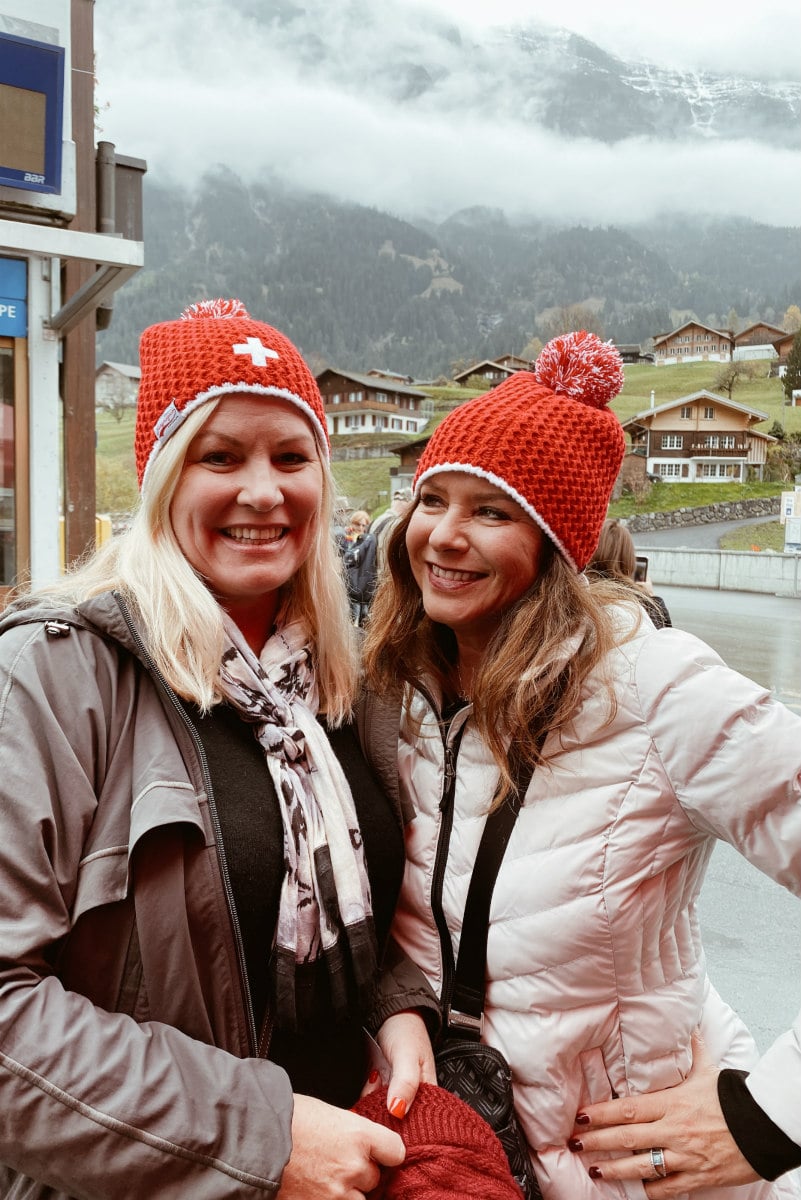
(658, 1163)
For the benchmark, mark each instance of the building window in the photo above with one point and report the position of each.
(729, 441)
(668, 470)
(709, 413)
(672, 441)
(686, 412)
(711, 441)
(335, 399)
(382, 397)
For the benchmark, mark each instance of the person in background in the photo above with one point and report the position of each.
(198, 868)
(359, 549)
(489, 650)
(615, 557)
(382, 526)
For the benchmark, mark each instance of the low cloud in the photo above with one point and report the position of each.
(191, 86)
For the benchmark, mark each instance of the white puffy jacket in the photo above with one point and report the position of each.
(595, 967)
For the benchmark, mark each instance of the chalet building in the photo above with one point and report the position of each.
(700, 438)
(757, 341)
(513, 362)
(632, 352)
(395, 376)
(693, 342)
(116, 385)
(782, 346)
(409, 454)
(492, 370)
(371, 404)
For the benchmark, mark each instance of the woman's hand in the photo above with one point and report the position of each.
(404, 1040)
(685, 1122)
(336, 1154)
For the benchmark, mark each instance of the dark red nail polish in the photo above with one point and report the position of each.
(575, 1144)
(596, 1173)
(373, 1076)
(582, 1119)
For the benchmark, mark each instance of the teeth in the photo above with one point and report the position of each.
(456, 576)
(244, 534)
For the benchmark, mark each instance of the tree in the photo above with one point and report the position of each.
(792, 376)
(531, 349)
(570, 317)
(732, 373)
(791, 321)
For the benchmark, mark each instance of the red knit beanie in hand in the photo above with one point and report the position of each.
(546, 438)
(450, 1150)
(215, 348)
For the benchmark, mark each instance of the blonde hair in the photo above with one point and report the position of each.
(525, 685)
(615, 555)
(182, 620)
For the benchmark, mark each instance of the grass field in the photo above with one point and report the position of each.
(366, 482)
(769, 536)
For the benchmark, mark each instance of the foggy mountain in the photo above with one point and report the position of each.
(356, 287)
(398, 107)
(536, 76)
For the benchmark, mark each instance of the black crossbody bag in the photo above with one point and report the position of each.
(477, 1073)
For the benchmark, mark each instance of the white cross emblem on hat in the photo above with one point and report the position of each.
(258, 352)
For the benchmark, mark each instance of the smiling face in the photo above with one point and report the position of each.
(473, 552)
(247, 503)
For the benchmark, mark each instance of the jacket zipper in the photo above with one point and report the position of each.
(256, 1045)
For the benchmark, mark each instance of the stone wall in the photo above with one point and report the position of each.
(731, 510)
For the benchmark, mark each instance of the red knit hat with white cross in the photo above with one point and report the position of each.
(546, 438)
(216, 348)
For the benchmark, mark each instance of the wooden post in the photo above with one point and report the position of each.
(78, 371)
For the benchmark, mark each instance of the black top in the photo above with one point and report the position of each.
(767, 1147)
(323, 1059)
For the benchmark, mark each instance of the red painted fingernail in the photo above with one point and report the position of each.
(398, 1108)
(582, 1119)
(596, 1173)
(373, 1076)
(575, 1144)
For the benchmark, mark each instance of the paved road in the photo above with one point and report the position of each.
(750, 925)
(693, 537)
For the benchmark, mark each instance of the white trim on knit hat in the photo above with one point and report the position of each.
(505, 487)
(172, 418)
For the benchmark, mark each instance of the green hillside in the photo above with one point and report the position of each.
(366, 482)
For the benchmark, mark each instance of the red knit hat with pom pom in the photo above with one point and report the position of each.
(216, 347)
(546, 438)
(450, 1150)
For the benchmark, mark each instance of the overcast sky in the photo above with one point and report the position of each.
(186, 84)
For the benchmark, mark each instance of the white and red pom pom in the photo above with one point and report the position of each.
(581, 366)
(215, 308)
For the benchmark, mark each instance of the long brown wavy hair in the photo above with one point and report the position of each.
(525, 685)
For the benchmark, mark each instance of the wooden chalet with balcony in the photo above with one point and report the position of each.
(700, 438)
(490, 369)
(693, 342)
(371, 404)
(757, 341)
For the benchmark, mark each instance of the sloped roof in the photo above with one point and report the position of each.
(724, 333)
(780, 333)
(485, 362)
(754, 413)
(373, 381)
(128, 369)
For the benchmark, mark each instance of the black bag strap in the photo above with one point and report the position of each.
(464, 1010)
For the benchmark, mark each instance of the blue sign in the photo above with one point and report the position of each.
(13, 297)
(32, 79)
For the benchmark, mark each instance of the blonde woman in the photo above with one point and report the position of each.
(198, 870)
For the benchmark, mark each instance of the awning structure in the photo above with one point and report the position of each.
(116, 259)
